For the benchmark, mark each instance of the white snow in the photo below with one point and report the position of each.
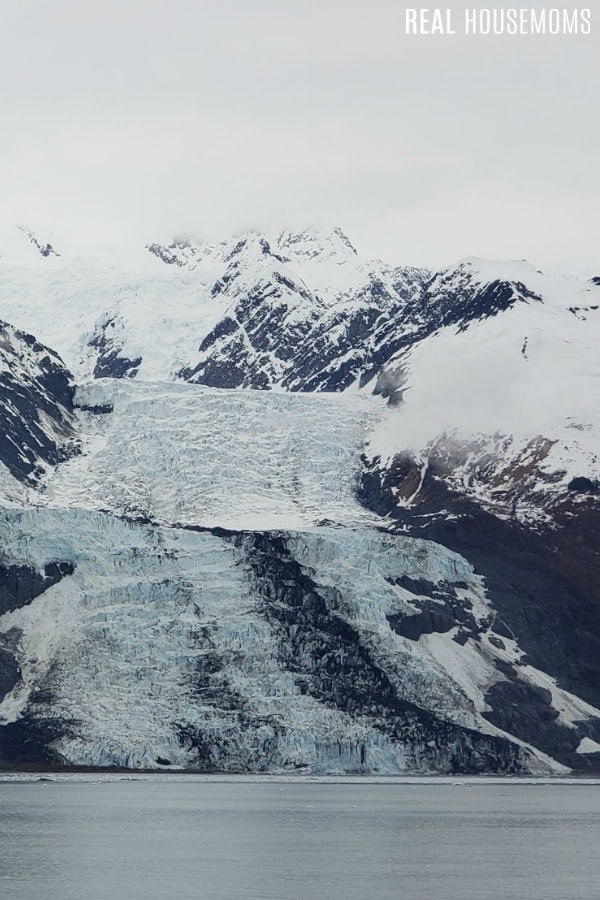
(162, 312)
(509, 386)
(587, 745)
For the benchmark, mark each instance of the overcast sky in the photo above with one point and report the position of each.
(149, 118)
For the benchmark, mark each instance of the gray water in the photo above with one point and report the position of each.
(174, 839)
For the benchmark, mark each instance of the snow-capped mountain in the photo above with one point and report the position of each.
(500, 462)
(297, 509)
(514, 421)
(295, 311)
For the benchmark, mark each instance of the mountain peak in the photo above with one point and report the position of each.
(182, 251)
(316, 242)
(45, 249)
(487, 270)
(22, 246)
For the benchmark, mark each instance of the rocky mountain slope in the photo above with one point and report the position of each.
(297, 510)
(36, 407)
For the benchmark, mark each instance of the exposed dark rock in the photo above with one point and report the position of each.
(56, 571)
(36, 406)
(111, 361)
(45, 250)
(526, 711)
(428, 621)
(227, 747)
(582, 485)
(546, 589)
(27, 741)
(497, 642)
(545, 584)
(262, 341)
(493, 298)
(10, 672)
(166, 254)
(502, 628)
(260, 336)
(461, 637)
(99, 409)
(328, 347)
(431, 619)
(19, 585)
(424, 588)
(112, 365)
(440, 609)
(225, 328)
(330, 662)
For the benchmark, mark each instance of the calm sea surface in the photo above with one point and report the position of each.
(180, 838)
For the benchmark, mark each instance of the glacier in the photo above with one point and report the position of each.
(172, 645)
(278, 508)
